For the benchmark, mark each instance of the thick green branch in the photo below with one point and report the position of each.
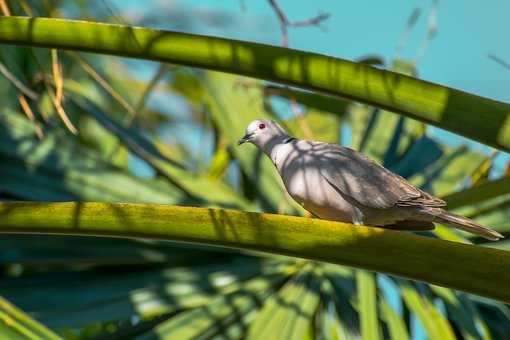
(473, 269)
(472, 116)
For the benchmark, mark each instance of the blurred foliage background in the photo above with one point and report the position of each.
(85, 127)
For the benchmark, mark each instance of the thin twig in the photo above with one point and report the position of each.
(60, 111)
(30, 114)
(17, 83)
(58, 78)
(5, 8)
(103, 83)
(285, 23)
(58, 96)
(282, 19)
(63, 116)
(315, 21)
(500, 61)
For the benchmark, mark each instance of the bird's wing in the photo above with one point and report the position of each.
(366, 182)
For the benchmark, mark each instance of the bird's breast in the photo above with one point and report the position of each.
(308, 187)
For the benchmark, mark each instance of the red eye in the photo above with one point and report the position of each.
(262, 126)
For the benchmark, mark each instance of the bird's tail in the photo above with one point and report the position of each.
(466, 224)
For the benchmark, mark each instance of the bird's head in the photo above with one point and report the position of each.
(263, 132)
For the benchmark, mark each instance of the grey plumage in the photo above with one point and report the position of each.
(341, 184)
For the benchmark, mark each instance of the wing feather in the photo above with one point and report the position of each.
(367, 182)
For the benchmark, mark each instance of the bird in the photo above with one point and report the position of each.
(338, 183)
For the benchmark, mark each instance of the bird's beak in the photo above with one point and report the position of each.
(246, 138)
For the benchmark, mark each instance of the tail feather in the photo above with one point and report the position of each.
(468, 225)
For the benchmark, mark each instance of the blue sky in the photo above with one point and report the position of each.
(467, 31)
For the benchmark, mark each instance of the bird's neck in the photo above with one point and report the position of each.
(271, 147)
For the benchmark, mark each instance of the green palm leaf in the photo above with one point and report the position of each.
(448, 108)
(384, 250)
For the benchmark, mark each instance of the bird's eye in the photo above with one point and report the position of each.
(262, 126)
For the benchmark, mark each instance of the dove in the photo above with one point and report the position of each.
(340, 184)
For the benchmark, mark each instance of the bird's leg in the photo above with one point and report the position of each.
(309, 214)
